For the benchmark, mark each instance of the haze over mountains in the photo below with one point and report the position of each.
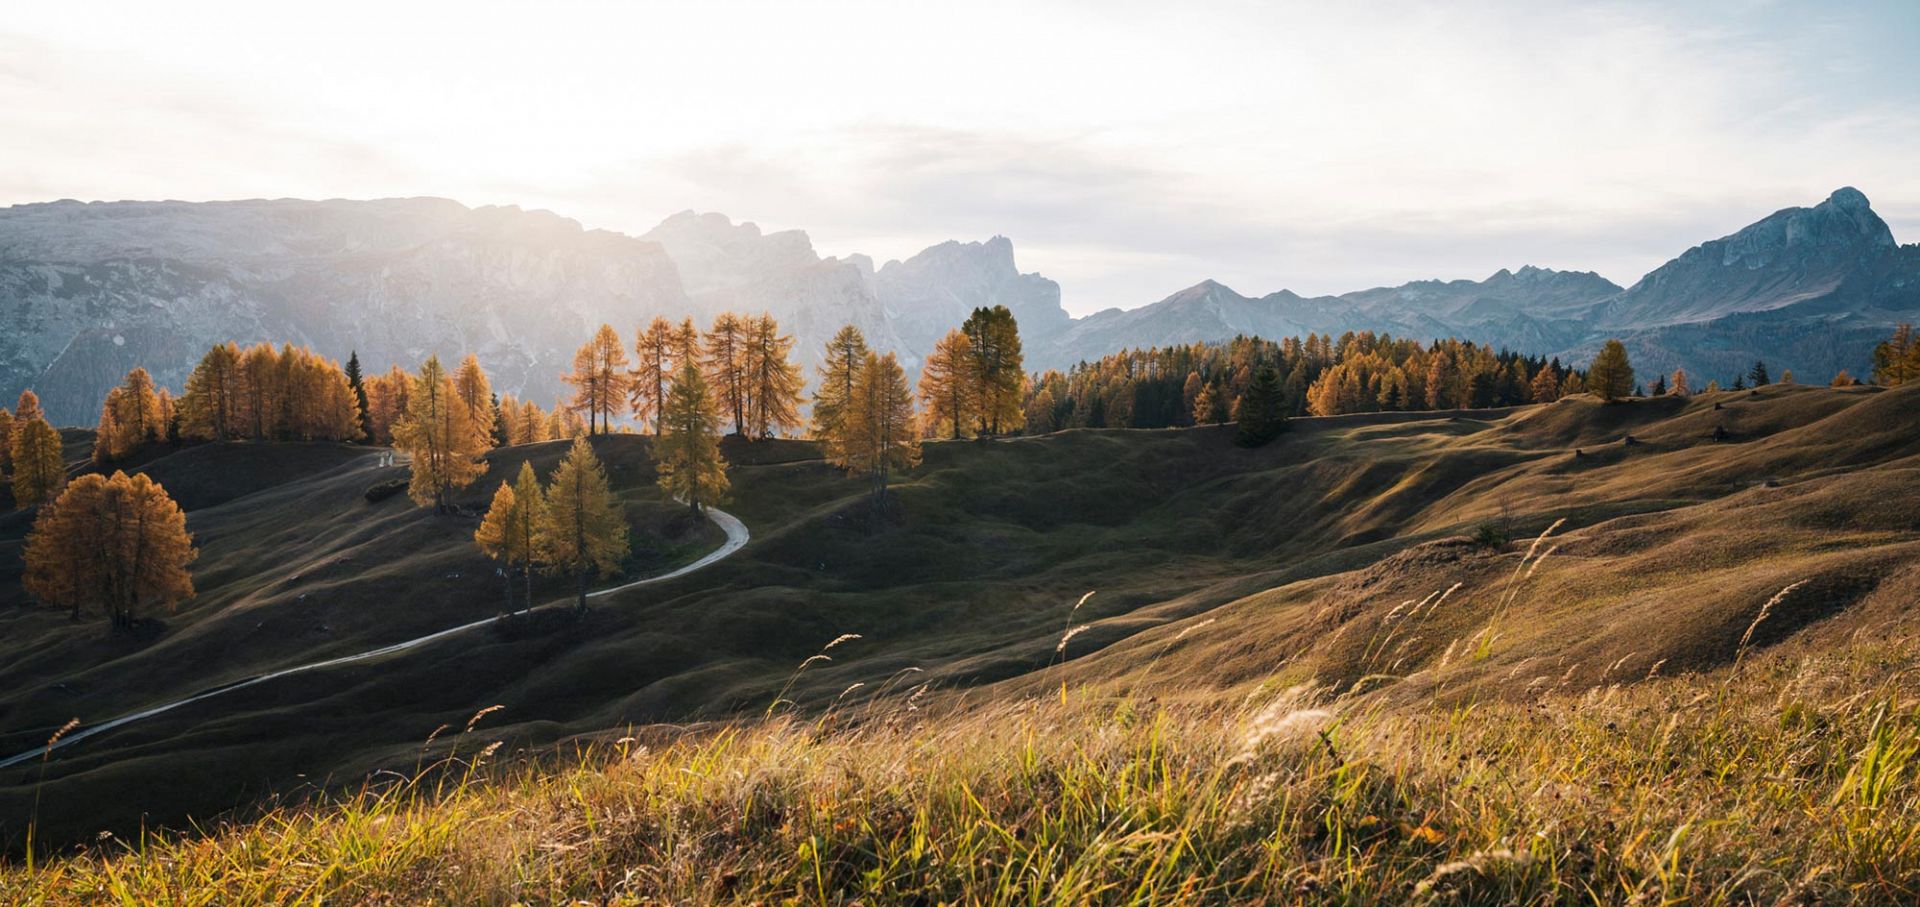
(88, 290)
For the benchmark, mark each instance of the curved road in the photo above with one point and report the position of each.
(737, 537)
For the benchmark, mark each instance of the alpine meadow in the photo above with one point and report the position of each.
(370, 533)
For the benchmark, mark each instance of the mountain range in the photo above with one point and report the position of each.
(88, 290)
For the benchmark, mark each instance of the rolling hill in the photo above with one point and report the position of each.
(1217, 570)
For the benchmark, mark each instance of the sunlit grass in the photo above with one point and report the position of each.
(1779, 778)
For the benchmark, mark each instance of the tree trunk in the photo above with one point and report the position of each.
(581, 605)
(528, 571)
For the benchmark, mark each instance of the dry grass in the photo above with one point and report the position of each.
(1783, 779)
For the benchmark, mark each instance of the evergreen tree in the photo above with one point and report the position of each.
(118, 544)
(439, 438)
(1261, 414)
(583, 530)
(881, 435)
(599, 379)
(688, 456)
(948, 388)
(1659, 386)
(39, 469)
(357, 383)
(1758, 374)
(512, 526)
(1610, 377)
(775, 382)
(657, 358)
(997, 368)
(839, 371)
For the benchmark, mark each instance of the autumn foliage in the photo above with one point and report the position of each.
(117, 545)
(264, 394)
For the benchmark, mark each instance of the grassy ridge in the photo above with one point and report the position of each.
(1790, 778)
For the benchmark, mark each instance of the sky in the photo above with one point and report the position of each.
(1128, 149)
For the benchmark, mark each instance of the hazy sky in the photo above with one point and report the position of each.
(1128, 150)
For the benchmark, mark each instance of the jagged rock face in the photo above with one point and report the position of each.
(1792, 256)
(735, 267)
(934, 291)
(88, 291)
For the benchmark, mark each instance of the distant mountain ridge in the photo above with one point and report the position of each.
(88, 290)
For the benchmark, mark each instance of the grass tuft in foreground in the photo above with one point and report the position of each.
(1782, 780)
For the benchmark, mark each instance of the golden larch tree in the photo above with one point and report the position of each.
(6, 444)
(599, 379)
(511, 528)
(998, 370)
(1610, 377)
(881, 435)
(583, 530)
(475, 393)
(774, 381)
(839, 371)
(726, 366)
(119, 544)
(947, 387)
(656, 358)
(389, 397)
(687, 454)
(210, 410)
(438, 437)
(39, 468)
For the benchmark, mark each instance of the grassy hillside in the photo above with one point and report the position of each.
(1790, 779)
(1222, 574)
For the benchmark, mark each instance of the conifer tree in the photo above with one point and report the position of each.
(1209, 406)
(1758, 375)
(211, 408)
(118, 544)
(686, 345)
(599, 379)
(688, 458)
(656, 358)
(6, 445)
(726, 366)
(1261, 414)
(106, 434)
(389, 397)
(882, 437)
(39, 470)
(357, 383)
(512, 527)
(439, 439)
(774, 381)
(947, 387)
(997, 369)
(583, 530)
(1678, 387)
(1897, 361)
(839, 371)
(1610, 377)
(475, 393)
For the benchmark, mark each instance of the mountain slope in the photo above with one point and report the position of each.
(89, 291)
